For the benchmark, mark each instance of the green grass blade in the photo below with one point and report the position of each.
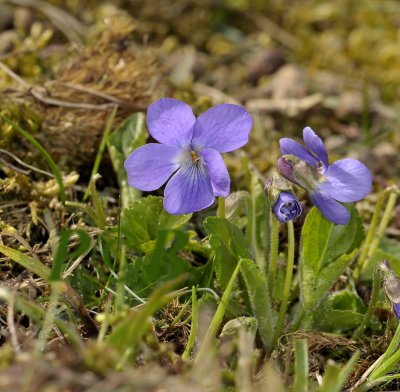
(335, 377)
(53, 166)
(381, 364)
(301, 366)
(100, 151)
(347, 370)
(193, 326)
(218, 316)
(386, 366)
(27, 262)
(330, 377)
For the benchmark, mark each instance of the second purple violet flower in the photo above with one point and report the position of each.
(346, 180)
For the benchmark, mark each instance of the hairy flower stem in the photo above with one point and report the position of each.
(370, 235)
(273, 258)
(221, 207)
(250, 228)
(372, 304)
(287, 285)
(374, 236)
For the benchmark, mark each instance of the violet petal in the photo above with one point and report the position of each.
(224, 128)
(330, 209)
(316, 145)
(348, 180)
(188, 190)
(396, 310)
(170, 121)
(291, 147)
(150, 166)
(217, 171)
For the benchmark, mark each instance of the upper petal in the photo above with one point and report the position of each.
(224, 128)
(217, 171)
(330, 209)
(316, 145)
(188, 190)
(150, 166)
(170, 121)
(348, 180)
(291, 147)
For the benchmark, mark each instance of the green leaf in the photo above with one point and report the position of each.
(339, 321)
(144, 219)
(130, 135)
(326, 250)
(164, 264)
(339, 312)
(257, 290)
(335, 377)
(228, 244)
(331, 272)
(232, 327)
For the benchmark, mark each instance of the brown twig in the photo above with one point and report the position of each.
(22, 163)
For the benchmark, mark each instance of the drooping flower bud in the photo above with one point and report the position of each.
(299, 172)
(284, 203)
(391, 284)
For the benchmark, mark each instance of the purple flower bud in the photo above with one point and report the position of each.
(391, 284)
(286, 207)
(285, 169)
(299, 172)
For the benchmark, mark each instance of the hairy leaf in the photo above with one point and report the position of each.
(256, 284)
(228, 244)
(326, 250)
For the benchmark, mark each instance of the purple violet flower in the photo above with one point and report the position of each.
(346, 180)
(189, 153)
